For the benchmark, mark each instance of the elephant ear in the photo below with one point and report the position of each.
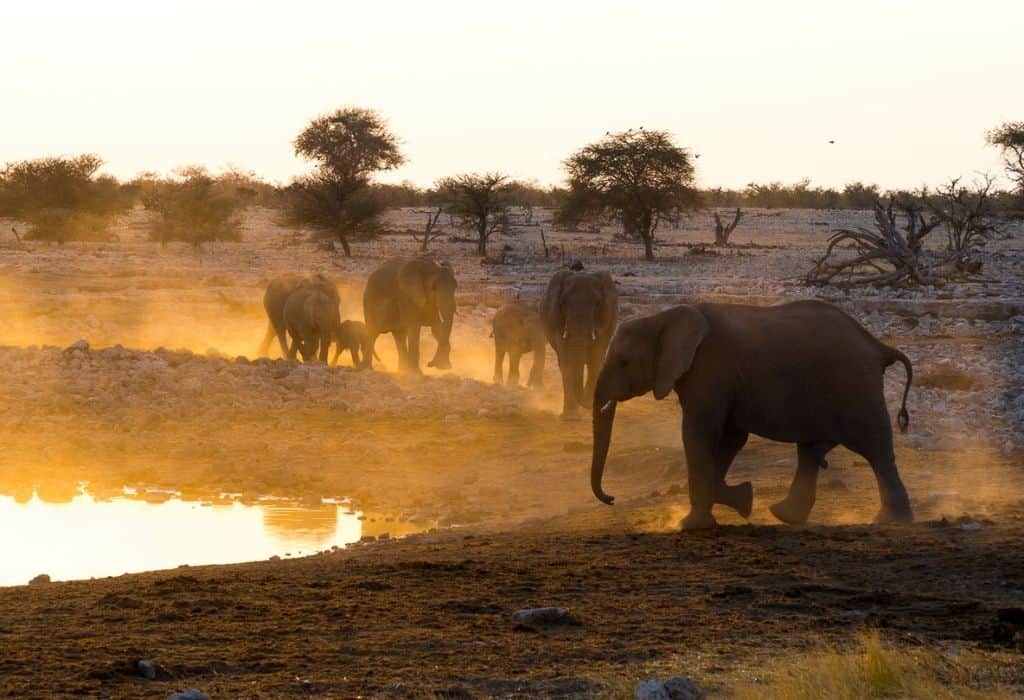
(681, 334)
(608, 314)
(550, 303)
(413, 282)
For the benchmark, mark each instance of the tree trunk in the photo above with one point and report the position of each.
(481, 244)
(648, 244)
(344, 244)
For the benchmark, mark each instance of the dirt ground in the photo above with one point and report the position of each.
(166, 393)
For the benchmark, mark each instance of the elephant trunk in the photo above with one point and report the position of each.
(604, 418)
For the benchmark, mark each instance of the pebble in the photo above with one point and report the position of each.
(147, 669)
(541, 616)
(191, 694)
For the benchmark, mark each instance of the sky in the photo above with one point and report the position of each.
(906, 89)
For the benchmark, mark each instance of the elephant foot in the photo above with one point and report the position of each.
(440, 364)
(888, 516)
(739, 497)
(571, 416)
(791, 512)
(698, 521)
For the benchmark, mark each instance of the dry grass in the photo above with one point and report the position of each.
(871, 668)
(874, 669)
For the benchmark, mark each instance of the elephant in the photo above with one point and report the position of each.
(517, 330)
(274, 299)
(401, 297)
(804, 372)
(579, 311)
(312, 319)
(351, 336)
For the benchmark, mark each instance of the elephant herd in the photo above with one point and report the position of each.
(804, 372)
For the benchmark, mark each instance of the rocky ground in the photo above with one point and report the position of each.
(124, 364)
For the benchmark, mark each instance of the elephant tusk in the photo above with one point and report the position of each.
(608, 406)
(565, 333)
(593, 335)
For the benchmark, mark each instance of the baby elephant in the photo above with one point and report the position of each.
(517, 330)
(352, 336)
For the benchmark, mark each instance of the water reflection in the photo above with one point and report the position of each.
(80, 537)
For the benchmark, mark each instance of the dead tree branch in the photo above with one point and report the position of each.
(723, 231)
(430, 231)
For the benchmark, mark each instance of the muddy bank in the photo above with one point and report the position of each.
(433, 613)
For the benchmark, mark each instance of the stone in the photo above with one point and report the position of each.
(542, 616)
(683, 688)
(79, 345)
(650, 689)
(191, 694)
(41, 578)
(147, 669)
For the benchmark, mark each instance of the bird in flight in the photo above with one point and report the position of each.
(831, 141)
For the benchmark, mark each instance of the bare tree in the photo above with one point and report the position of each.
(970, 214)
(723, 231)
(430, 230)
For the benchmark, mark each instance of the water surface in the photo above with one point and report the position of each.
(84, 537)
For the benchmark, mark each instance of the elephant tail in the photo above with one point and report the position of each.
(894, 355)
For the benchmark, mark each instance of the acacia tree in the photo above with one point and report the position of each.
(347, 146)
(480, 200)
(639, 177)
(969, 213)
(1009, 138)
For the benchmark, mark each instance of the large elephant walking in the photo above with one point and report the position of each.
(401, 297)
(276, 297)
(313, 321)
(804, 373)
(579, 311)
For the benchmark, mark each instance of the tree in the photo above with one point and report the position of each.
(638, 177)
(480, 200)
(347, 146)
(62, 198)
(1009, 138)
(970, 214)
(193, 207)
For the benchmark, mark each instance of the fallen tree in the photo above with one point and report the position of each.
(890, 255)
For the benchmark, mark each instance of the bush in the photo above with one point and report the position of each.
(194, 208)
(62, 198)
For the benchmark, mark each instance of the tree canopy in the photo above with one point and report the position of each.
(347, 146)
(480, 200)
(638, 176)
(1009, 138)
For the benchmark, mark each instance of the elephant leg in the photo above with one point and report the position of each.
(293, 349)
(400, 345)
(701, 473)
(499, 361)
(878, 451)
(796, 507)
(354, 351)
(414, 349)
(369, 348)
(325, 347)
(741, 496)
(537, 368)
(513, 367)
(570, 406)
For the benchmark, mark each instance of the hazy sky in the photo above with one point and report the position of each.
(906, 89)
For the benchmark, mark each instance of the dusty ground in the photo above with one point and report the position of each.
(456, 450)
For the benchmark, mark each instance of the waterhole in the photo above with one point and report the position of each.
(84, 537)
